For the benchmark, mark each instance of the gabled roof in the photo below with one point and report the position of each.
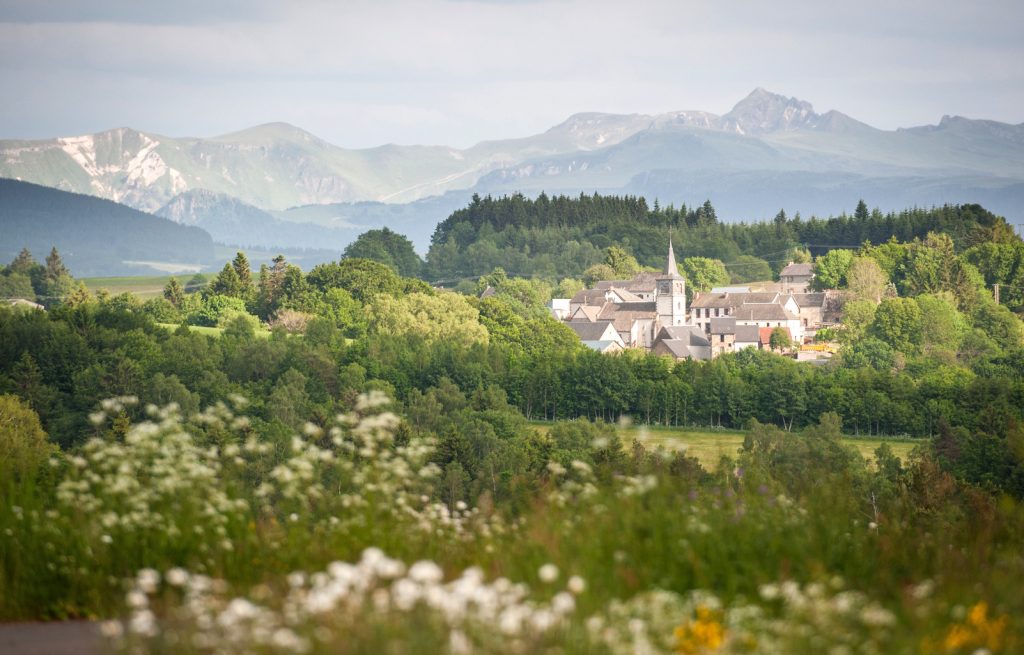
(690, 334)
(589, 297)
(729, 299)
(797, 270)
(587, 331)
(603, 346)
(586, 312)
(643, 282)
(680, 349)
(748, 334)
(809, 299)
(723, 325)
(625, 295)
(765, 312)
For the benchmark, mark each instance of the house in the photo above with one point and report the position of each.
(796, 278)
(604, 347)
(559, 308)
(747, 336)
(596, 331)
(770, 315)
(707, 306)
(682, 342)
(722, 334)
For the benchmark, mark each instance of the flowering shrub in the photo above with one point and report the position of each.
(357, 607)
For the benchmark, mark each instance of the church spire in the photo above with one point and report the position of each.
(671, 269)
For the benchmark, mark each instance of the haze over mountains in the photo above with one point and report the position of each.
(277, 185)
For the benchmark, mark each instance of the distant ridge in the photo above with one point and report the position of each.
(734, 159)
(95, 236)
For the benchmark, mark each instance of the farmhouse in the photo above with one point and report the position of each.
(796, 278)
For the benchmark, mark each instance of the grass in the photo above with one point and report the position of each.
(708, 446)
(145, 287)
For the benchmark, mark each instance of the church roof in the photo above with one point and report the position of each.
(670, 270)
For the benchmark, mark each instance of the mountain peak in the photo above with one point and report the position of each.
(763, 111)
(268, 132)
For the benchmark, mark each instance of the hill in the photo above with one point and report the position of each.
(95, 236)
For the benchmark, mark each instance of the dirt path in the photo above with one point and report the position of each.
(59, 638)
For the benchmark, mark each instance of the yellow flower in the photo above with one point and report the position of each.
(977, 631)
(705, 634)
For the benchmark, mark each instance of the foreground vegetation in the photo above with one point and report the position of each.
(344, 461)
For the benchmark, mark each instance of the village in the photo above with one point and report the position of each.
(650, 312)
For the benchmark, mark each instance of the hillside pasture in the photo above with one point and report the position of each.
(709, 445)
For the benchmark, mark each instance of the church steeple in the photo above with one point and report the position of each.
(671, 292)
(671, 270)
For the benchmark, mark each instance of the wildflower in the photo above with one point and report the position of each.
(111, 629)
(177, 577)
(576, 585)
(426, 572)
(147, 580)
(977, 630)
(704, 634)
(548, 573)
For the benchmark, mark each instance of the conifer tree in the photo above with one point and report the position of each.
(173, 292)
(244, 272)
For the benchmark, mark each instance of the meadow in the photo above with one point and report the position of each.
(709, 446)
(200, 535)
(144, 286)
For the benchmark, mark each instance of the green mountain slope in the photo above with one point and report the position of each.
(95, 236)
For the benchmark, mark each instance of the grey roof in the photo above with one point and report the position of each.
(625, 294)
(763, 312)
(644, 281)
(797, 270)
(589, 331)
(729, 299)
(723, 325)
(589, 297)
(809, 299)
(690, 334)
(747, 334)
(680, 349)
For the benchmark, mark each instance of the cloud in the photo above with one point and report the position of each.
(443, 71)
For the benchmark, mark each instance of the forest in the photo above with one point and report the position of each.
(254, 455)
(556, 237)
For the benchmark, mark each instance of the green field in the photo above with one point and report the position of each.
(144, 287)
(212, 331)
(708, 446)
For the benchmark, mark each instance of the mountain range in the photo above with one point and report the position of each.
(278, 185)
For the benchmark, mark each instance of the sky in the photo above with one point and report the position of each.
(360, 74)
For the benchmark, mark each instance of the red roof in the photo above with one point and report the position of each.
(766, 335)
